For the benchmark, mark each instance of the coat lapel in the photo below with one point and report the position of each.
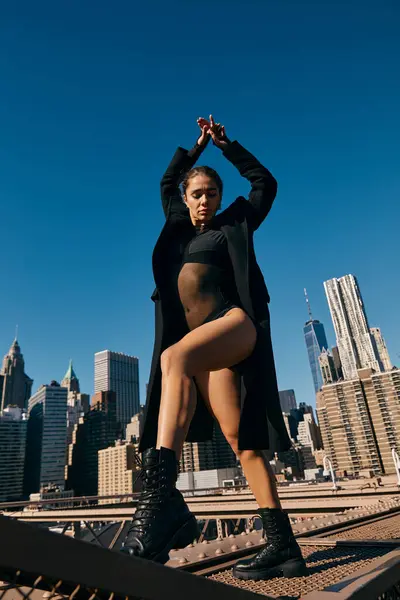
(237, 237)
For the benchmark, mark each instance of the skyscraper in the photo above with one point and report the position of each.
(96, 430)
(134, 428)
(71, 381)
(337, 362)
(46, 438)
(77, 403)
(197, 456)
(315, 338)
(327, 366)
(15, 385)
(381, 349)
(306, 409)
(287, 399)
(224, 456)
(119, 373)
(360, 421)
(291, 424)
(13, 424)
(118, 471)
(309, 433)
(357, 349)
(210, 454)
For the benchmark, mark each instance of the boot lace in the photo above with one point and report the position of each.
(150, 501)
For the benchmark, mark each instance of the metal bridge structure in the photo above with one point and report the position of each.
(353, 553)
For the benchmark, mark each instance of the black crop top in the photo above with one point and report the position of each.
(208, 247)
(206, 281)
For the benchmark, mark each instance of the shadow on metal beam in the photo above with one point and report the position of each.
(40, 559)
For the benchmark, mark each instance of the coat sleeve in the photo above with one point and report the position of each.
(263, 185)
(182, 161)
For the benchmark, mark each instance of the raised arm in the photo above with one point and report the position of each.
(182, 161)
(263, 184)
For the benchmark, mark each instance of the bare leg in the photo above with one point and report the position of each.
(178, 403)
(210, 347)
(281, 555)
(221, 390)
(260, 477)
(166, 521)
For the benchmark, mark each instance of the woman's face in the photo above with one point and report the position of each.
(202, 198)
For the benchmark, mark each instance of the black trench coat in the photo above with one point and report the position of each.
(261, 423)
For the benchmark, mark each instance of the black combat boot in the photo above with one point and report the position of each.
(162, 520)
(281, 555)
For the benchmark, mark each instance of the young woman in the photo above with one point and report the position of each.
(212, 355)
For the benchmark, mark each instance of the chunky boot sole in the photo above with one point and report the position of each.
(294, 567)
(181, 538)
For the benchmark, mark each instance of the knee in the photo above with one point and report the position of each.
(166, 360)
(172, 359)
(232, 438)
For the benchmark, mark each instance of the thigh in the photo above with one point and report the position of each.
(216, 345)
(221, 393)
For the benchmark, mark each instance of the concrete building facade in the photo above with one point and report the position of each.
(307, 456)
(211, 454)
(210, 479)
(381, 348)
(308, 433)
(382, 391)
(134, 428)
(291, 425)
(77, 403)
(337, 362)
(96, 430)
(360, 421)
(197, 456)
(118, 470)
(327, 366)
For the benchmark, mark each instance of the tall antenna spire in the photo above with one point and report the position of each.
(308, 304)
(16, 332)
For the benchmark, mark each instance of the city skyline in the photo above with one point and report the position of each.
(375, 332)
(98, 105)
(80, 177)
(64, 409)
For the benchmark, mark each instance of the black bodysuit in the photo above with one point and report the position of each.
(206, 282)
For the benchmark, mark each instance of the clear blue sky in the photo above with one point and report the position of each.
(94, 98)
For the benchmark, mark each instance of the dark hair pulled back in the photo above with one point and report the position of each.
(202, 171)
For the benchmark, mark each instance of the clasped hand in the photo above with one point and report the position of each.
(215, 131)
